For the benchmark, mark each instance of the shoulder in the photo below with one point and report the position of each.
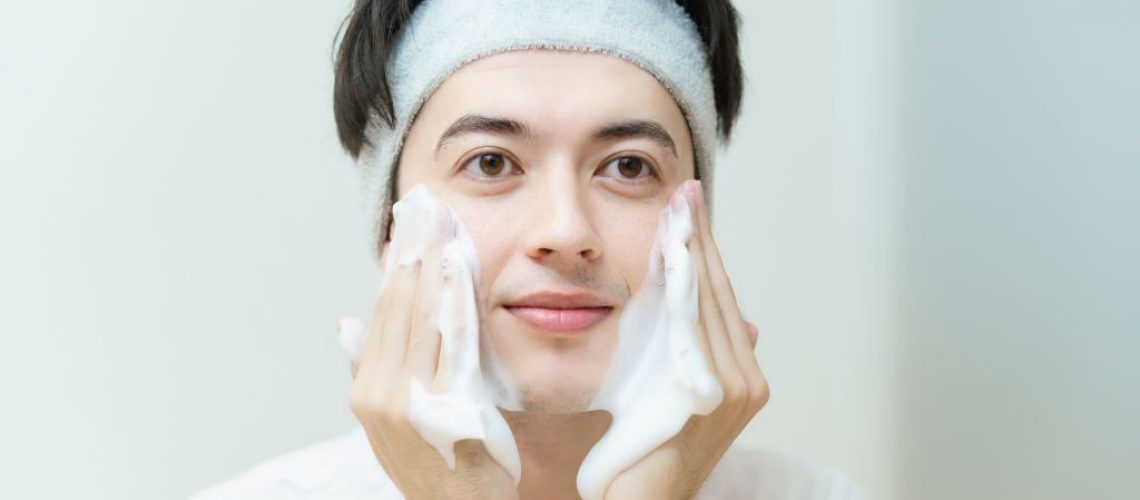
(747, 474)
(342, 468)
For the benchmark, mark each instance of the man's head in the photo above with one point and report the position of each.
(559, 163)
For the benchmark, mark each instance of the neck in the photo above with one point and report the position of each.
(552, 447)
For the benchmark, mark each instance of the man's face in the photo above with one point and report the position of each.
(559, 164)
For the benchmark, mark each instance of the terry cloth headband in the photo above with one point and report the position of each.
(444, 35)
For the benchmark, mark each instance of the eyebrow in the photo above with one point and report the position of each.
(626, 129)
(632, 129)
(473, 124)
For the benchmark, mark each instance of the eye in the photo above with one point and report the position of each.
(629, 167)
(489, 165)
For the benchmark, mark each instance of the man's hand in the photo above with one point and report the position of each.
(679, 467)
(403, 342)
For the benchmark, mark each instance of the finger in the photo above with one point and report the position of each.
(736, 330)
(382, 358)
(753, 333)
(398, 320)
(460, 321)
(686, 285)
(710, 314)
(371, 352)
(423, 344)
(367, 340)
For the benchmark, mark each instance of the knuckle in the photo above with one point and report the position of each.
(358, 406)
(734, 389)
(759, 394)
(368, 406)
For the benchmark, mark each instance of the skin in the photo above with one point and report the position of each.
(555, 208)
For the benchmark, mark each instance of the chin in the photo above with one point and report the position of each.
(552, 376)
(555, 381)
(555, 397)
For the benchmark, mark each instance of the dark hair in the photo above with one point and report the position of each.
(371, 29)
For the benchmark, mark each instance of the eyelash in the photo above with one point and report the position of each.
(649, 166)
(463, 166)
(653, 172)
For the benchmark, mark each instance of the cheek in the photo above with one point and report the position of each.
(627, 241)
(482, 218)
(493, 239)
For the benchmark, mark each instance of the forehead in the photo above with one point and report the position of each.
(556, 92)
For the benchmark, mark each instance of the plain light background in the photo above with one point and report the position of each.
(929, 208)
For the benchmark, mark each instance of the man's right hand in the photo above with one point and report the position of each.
(403, 342)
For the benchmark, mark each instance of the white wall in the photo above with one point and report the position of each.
(803, 215)
(179, 234)
(1019, 193)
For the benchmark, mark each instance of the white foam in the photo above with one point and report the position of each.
(657, 379)
(462, 404)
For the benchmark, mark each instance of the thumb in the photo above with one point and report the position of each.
(351, 333)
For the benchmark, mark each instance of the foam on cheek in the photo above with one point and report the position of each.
(659, 375)
(462, 403)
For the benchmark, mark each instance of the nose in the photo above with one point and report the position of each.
(562, 228)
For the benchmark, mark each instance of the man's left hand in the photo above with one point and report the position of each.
(678, 468)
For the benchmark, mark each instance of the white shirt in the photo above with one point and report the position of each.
(344, 468)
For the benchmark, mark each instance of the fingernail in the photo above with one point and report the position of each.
(683, 191)
(693, 189)
(677, 199)
(344, 324)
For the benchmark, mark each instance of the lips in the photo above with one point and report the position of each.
(561, 311)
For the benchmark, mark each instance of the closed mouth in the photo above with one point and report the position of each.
(561, 310)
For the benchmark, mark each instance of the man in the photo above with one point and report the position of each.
(558, 143)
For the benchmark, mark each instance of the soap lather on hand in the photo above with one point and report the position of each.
(419, 394)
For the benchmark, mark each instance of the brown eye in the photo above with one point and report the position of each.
(630, 167)
(489, 165)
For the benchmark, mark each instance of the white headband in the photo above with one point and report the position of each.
(443, 35)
